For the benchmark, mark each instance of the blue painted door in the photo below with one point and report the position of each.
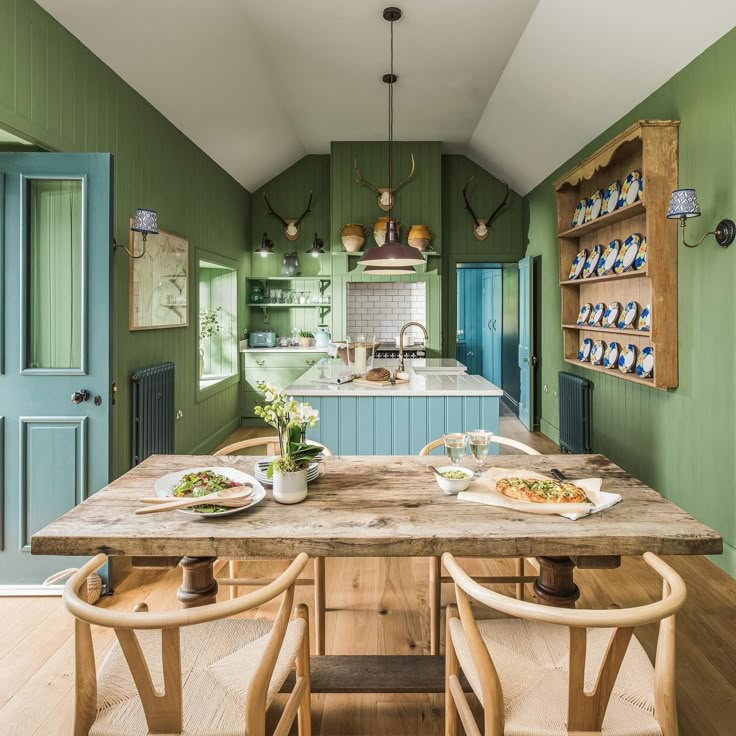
(55, 258)
(492, 306)
(526, 341)
(470, 350)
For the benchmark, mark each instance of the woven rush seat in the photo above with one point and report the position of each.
(531, 659)
(218, 662)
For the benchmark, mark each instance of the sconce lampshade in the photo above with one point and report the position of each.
(145, 221)
(683, 203)
(266, 246)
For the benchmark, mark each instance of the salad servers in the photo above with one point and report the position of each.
(234, 496)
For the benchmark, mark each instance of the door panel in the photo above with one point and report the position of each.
(56, 269)
(496, 333)
(526, 340)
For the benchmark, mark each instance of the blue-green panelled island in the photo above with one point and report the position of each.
(681, 442)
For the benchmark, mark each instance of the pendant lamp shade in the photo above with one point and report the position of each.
(389, 271)
(392, 253)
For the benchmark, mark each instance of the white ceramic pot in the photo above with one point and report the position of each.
(290, 487)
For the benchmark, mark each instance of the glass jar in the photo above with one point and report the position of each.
(361, 352)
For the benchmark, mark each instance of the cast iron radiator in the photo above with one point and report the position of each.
(153, 411)
(574, 393)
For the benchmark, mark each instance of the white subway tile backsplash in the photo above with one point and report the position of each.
(380, 309)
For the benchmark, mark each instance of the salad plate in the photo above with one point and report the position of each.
(578, 264)
(611, 315)
(596, 314)
(645, 362)
(592, 262)
(641, 256)
(611, 197)
(627, 254)
(628, 315)
(585, 347)
(597, 352)
(627, 358)
(579, 217)
(630, 189)
(610, 357)
(180, 484)
(608, 258)
(645, 319)
(593, 208)
(584, 314)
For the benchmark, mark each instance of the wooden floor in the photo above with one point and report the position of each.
(378, 606)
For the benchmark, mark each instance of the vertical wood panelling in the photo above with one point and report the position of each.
(55, 91)
(681, 441)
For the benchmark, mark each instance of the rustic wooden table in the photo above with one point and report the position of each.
(374, 506)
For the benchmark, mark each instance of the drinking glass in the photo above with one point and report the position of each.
(455, 446)
(480, 442)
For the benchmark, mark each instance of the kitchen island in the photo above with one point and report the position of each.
(358, 419)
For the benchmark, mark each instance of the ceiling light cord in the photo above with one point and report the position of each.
(391, 127)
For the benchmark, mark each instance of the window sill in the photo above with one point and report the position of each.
(210, 385)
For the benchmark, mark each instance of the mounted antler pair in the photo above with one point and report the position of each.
(482, 228)
(291, 227)
(386, 194)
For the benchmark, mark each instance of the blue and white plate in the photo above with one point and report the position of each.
(592, 262)
(627, 254)
(610, 357)
(611, 315)
(645, 362)
(578, 264)
(596, 314)
(585, 347)
(640, 195)
(593, 208)
(608, 258)
(630, 189)
(598, 352)
(611, 197)
(584, 314)
(579, 217)
(645, 319)
(628, 315)
(627, 358)
(640, 261)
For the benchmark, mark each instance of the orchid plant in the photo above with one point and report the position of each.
(290, 419)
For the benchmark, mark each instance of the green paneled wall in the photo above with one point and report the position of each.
(56, 92)
(682, 441)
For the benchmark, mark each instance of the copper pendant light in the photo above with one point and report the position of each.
(393, 253)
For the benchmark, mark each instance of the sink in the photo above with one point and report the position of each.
(438, 367)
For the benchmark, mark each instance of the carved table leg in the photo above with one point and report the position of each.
(198, 585)
(555, 585)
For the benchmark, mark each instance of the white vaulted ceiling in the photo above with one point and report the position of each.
(519, 85)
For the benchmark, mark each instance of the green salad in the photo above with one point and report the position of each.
(193, 485)
(454, 475)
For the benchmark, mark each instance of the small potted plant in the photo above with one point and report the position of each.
(209, 326)
(290, 419)
(306, 338)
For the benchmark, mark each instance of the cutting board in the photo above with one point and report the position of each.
(379, 384)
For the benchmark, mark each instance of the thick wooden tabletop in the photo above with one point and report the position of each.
(377, 507)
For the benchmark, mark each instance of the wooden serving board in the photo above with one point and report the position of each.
(379, 384)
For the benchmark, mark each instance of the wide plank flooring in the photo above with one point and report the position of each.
(378, 606)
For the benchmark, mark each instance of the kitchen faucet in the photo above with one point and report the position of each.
(401, 340)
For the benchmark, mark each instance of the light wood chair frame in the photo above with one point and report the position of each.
(164, 711)
(520, 578)
(234, 581)
(585, 710)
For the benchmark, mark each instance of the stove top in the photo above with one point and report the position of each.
(391, 350)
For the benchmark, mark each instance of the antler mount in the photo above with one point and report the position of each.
(482, 228)
(291, 226)
(385, 195)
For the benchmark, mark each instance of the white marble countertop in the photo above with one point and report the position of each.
(316, 382)
(245, 349)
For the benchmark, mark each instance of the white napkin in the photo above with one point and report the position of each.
(483, 490)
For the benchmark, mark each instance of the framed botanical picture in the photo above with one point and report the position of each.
(159, 282)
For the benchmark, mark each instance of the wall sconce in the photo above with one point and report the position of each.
(266, 246)
(145, 222)
(684, 204)
(317, 248)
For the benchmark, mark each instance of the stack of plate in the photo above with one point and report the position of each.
(262, 468)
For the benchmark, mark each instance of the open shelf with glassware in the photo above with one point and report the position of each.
(648, 147)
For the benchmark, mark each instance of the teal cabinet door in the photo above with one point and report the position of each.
(55, 380)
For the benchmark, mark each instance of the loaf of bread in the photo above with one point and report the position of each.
(378, 374)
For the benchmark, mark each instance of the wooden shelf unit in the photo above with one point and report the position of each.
(648, 146)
